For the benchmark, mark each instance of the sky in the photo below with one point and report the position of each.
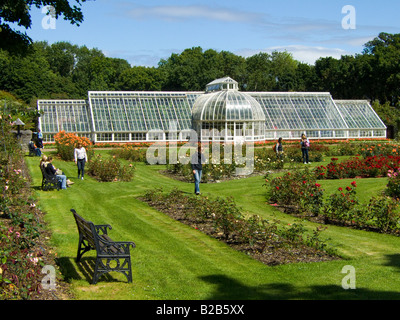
(144, 32)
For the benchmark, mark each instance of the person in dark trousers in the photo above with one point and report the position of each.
(305, 145)
(197, 166)
(80, 157)
(51, 170)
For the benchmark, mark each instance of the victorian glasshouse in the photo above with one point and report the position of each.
(220, 113)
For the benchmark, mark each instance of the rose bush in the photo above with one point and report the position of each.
(109, 169)
(340, 205)
(393, 186)
(298, 191)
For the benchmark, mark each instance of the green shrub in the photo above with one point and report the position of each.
(130, 153)
(385, 213)
(393, 186)
(228, 222)
(110, 169)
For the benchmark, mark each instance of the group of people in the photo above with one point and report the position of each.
(304, 144)
(198, 159)
(80, 157)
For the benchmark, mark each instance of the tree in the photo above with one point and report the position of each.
(259, 73)
(141, 79)
(26, 77)
(384, 52)
(271, 72)
(18, 12)
(194, 68)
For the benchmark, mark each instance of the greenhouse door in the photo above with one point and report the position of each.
(239, 134)
(239, 129)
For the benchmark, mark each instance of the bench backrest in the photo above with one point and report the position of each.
(46, 175)
(85, 228)
(43, 171)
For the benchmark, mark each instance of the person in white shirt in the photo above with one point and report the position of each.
(80, 159)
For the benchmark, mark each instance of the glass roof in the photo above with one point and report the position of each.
(144, 111)
(226, 83)
(302, 111)
(140, 111)
(359, 114)
(227, 105)
(67, 115)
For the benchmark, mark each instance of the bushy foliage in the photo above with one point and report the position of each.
(342, 207)
(109, 169)
(130, 152)
(67, 142)
(393, 186)
(296, 190)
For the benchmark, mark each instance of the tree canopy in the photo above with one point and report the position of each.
(18, 12)
(65, 70)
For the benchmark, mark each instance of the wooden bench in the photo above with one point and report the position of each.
(111, 255)
(49, 181)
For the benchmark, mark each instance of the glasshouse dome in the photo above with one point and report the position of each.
(221, 113)
(225, 114)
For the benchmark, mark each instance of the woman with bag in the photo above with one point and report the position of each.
(305, 145)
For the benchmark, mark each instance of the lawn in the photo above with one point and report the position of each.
(173, 261)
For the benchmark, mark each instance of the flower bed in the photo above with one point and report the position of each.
(299, 194)
(371, 166)
(23, 244)
(270, 242)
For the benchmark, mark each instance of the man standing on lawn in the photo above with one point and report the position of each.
(197, 166)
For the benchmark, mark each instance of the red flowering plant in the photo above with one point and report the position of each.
(371, 166)
(341, 205)
(297, 191)
(393, 186)
(67, 142)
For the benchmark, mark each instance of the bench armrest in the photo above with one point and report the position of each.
(114, 247)
(102, 228)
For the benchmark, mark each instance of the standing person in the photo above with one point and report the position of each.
(197, 166)
(80, 156)
(39, 139)
(279, 149)
(305, 145)
(51, 170)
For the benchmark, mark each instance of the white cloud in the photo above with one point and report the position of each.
(178, 13)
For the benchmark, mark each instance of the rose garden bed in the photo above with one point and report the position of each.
(269, 242)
